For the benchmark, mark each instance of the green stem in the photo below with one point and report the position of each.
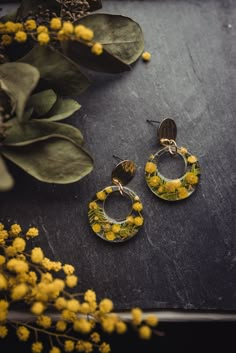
(46, 331)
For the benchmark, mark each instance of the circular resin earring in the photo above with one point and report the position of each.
(109, 228)
(171, 189)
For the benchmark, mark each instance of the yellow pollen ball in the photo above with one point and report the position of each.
(96, 228)
(11, 27)
(68, 269)
(154, 181)
(69, 346)
(136, 316)
(182, 193)
(23, 333)
(146, 56)
(191, 178)
(137, 206)
(192, 159)
(30, 25)
(104, 348)
(93, 205)
(44, 321)
(68, 27)
(15, 229)
(55, 349)
(106, 306)
(55, 23)
(43, 38)
(71, 281)
(3, 331)
(90, 296)
(37, 308)
(32, 232)
(97, 49)
(37, 347)
(87, 34)
(138, 221)
(101, 195)
(95, 337)
(130, 219)
(19, 291)
(19, 244)
(2, 260)
(37, 255)
(42, 29)
(6, 39)
(152, 320)
(3, 282)
(110, 236)
(145, 332)
(121, 327)
(115, 228)
(150, 167)
(61, 326)
(183, 150)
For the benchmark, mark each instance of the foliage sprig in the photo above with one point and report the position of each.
(48, 289)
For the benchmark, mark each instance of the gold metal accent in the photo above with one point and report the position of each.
(171, 144)
(120, 186)
(123, 173)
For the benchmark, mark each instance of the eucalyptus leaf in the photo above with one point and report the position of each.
(63, 108)
(38, 130)
(105, 62)
(6, 180)
(42, 102)
(122, 40)
(55, 160)
(6, 103)
(32, 5)
(18, 80)
(120, 36)
(60, 73)
(26, 116)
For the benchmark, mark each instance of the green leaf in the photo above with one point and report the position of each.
(122, 40)
(18, 80)
(38, 130)
(55, 160)
(119, 35)
(58, 71)
(6, 180)
(63, 108)
(32, 5)
(42, 102)
(6, 103)
(26, 116)
(105, 62)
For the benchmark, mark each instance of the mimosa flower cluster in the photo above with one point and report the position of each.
(45, 286)
(56, 31)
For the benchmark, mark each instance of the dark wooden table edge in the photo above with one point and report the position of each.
(163, 315)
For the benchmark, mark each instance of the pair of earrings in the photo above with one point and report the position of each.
(168, 189)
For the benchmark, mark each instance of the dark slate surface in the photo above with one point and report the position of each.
(185, 256)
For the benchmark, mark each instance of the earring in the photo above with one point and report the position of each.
(171, 189)
(106, 227)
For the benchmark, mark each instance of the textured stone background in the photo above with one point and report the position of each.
(185, 256)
